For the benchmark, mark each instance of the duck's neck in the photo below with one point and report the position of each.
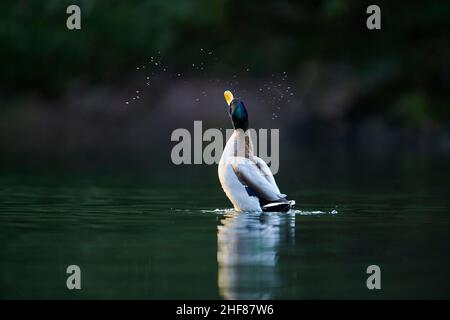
(242, 143)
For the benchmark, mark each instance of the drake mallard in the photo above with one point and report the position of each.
(245, 178)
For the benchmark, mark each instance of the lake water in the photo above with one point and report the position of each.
(172, 234)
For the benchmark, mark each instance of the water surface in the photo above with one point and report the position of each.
(138, 236)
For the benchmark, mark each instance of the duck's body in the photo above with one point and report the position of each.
(245, 178)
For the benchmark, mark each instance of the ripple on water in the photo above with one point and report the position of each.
(292, 211)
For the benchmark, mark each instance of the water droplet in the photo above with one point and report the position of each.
(148, 78)
(137, 91)
(126, 102)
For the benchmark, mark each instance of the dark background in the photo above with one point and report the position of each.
(63, 93)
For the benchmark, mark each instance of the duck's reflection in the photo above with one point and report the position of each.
(247, 253)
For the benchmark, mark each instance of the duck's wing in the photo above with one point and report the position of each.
(266, 172)
(252, 175)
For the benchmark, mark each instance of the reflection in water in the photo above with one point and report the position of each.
(247, 253)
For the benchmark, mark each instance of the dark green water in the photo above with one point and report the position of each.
(141, 235)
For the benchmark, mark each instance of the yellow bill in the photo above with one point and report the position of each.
(228, 96)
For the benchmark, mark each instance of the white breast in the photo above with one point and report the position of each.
(233, 188)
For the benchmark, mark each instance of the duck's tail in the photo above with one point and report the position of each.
(278, 206)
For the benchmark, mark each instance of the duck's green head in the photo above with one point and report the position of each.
(237, 111)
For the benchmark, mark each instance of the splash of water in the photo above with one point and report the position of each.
(273, 93)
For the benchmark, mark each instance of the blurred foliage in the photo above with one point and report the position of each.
(411, 51)
(415, 108)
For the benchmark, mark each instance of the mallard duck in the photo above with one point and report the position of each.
(245, 178)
